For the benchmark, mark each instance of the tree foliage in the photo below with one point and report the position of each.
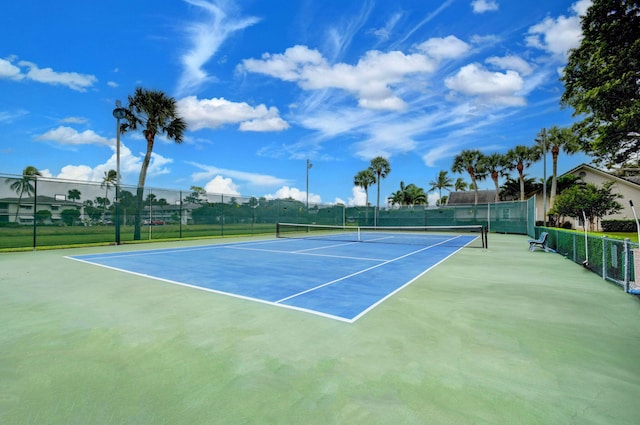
(601, 81)
(596, 202)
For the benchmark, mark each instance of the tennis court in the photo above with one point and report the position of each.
(487, 337)
(332, 271)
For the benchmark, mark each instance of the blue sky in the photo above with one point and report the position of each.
(266, 85)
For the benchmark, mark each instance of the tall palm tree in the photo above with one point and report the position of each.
(365, 179)
(560, 138)
(469, 160)
(380, 166)
(496, 166)
(443, 181)
(519, 158)
(154, 112)
(110, 179)
(23, 185)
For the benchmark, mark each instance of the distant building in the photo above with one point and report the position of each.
(18, 210)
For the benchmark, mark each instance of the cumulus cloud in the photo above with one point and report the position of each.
(449, 47)
(68, 136)
(205, 36)
(294, 193)
(25, 70)
(499, 88)
(482, 6)
(558, 35)
(222, 185)
(370, 80)
(217, 112)
(515, 63)
(358, 197)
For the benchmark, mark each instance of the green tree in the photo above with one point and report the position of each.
(496, 166)
(510, 189)
(73, 195)
(443, 181)
(155, 113)
(601, 81)
(519, 158)
(381, 168)
(596, 202)
(43, 215)
(195, 196)
(470, 160)
(24, 185)
(69, 216)
(109, 180)
(460, 185)
(408, 195)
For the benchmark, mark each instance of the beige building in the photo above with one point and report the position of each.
(626, 186)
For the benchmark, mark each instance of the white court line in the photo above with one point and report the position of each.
(303, 252)
(362, 271)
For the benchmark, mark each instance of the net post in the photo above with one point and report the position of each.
(277, 230)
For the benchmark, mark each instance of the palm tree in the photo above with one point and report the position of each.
(560, 138)
(443, 181)
(365, 179)
(408, 195)
(469, 160)
(154, 112)
(511, 190)
(519, 158)
(380, 166)
(496, 166)
(23, 185)
(109, 180)
(73, 195)
(460, 185)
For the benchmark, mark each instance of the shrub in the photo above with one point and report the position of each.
(567, 225)
(618, 225)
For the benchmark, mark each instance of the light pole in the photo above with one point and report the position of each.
(309, 165)
(118, 113)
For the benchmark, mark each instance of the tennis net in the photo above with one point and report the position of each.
(467, 236)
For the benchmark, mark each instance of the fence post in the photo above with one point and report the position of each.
(627, 269)
(604, 258)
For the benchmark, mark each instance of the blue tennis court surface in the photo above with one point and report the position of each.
(339, 280)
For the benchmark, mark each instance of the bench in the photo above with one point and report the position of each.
(541, 242)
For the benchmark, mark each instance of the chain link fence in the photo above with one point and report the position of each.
(40, 212)
(612, 259)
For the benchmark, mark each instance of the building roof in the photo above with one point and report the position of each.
(630, 180)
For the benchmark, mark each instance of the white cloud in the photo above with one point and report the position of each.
(68, 136)
(9, 70)
(112, 84)
(515, 63)
(205, 38)
(74, 120)
(558, 35)
(294, 193)
(216, 112)
(370, 80)
(252, 179)
(481, 6)
(493, 87)
(358, 197)
(73, 80)
(222, 185)
(449, 47)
